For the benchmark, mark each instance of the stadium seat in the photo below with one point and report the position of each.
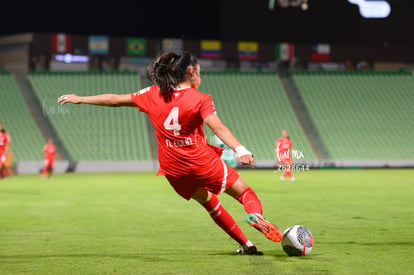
(256, 108)
(26, 140)
(91, 132)
(361, 115)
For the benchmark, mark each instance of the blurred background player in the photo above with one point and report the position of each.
(9, 161)
(283, 154)
(4, 151)
(192, 166)
(228, 155)
(49, 150)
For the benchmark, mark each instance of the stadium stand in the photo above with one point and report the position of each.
(361, 115)
(94, 133)
(26, 139)
(256, 108)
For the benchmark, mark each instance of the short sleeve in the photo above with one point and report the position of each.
(7, 138)
(140, 99)
(207, 107)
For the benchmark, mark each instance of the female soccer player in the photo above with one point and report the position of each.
(283, 150)
(49, 150)
(192, 166)
(4, 149)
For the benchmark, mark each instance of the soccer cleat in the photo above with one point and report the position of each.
(292, 179)
(268, 229)
(282, 178)
(251, 250)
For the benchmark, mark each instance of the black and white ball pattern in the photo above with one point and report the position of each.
(297, 241)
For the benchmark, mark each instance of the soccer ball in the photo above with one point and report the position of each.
(297, 241)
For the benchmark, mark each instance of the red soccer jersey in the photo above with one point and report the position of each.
(178, 123)
(283, 146)
(49, 150)
(4, 139)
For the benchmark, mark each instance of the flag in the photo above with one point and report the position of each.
(172, 45)
(136, 46)
(210, 49)
(98, 44)
(284, 51)
(61, 43)
(248, 50)
(321, 52)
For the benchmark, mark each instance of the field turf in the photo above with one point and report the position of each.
(134, 223)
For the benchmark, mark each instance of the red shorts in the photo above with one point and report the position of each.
(216, 181)
(286, 161)
(48, 163)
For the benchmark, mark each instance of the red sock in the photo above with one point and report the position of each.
(251, 202)
(223, 219)
(44, 172)
(287, 173)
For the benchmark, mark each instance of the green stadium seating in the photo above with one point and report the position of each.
(94, 133)
(26, 139)
(256, 108)
(361, 115)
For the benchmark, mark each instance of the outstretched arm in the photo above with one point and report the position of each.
(110, 100)
(224, 133)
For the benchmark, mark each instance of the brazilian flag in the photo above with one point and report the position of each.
(136, 46)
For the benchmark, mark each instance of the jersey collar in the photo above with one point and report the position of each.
(181, 88)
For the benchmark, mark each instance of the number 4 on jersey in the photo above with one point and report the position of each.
(171, 122)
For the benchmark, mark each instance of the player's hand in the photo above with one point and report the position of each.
(245, 156)
(69, 99)
(247, 160)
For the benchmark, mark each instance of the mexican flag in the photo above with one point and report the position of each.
(284, 51)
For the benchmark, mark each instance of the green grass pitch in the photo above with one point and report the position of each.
(134, 223)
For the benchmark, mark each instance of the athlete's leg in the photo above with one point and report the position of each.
(288, 169)
(45, 167)
(44, 170)
(220, 216)
(2, 165)
(51, 164)
(50, 171)
(245, 195)
(6, 171)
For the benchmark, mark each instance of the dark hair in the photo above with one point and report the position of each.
(169, 69)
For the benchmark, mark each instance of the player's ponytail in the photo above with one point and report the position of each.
(169, 69)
